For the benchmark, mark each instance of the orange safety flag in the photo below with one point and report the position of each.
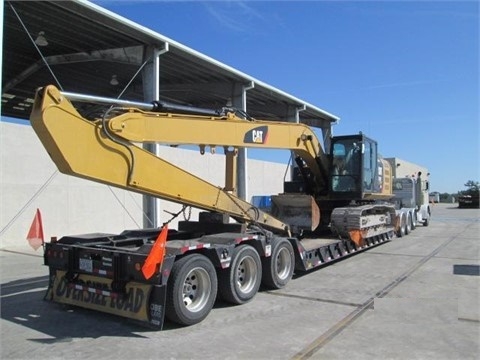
(156, 254)
(35, 234)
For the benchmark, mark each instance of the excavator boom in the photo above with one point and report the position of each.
(105, 152)
(226, 131)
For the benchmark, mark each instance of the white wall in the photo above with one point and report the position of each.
(69, 205)
(402, 168)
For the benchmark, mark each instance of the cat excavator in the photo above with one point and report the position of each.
(335, 205)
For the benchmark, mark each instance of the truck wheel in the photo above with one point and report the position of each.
(408, 225)
(426, 222)
(278, 268)
(401, 231)
(414, 220)
(191, 290)
(240, 282)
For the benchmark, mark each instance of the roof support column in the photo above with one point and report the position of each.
(239, 100)
(151, 90)
(327, 136)
(293, 115)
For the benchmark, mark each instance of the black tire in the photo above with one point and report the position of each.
(191, 290)
(408, 224)
(426, 222)
(278, 268)
(414, 220)
(240, 282)
(401, 230)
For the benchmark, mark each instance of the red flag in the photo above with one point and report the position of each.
(156, 254)
(35, 234)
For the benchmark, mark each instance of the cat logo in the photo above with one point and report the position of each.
(258, 135)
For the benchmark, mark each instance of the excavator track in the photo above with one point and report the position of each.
(360, 223)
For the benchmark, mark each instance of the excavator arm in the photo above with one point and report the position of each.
(105, 151)
(225, 131)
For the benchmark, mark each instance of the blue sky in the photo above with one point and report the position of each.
(405, 73)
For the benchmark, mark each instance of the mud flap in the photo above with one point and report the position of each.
(156, 306)
(141, 302)
(296, 210)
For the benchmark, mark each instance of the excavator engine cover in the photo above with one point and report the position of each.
(297, 210)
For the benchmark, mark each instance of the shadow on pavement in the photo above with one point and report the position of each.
(466, 270)
(22, 303)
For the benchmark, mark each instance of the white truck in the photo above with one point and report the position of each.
(411, 202)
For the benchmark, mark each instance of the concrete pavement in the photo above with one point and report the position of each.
(416, 297)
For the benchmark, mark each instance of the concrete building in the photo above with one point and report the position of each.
(69, 205)
(403, 168)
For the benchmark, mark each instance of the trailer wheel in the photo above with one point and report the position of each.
(278, 268)
(191, 290)
(240, 282)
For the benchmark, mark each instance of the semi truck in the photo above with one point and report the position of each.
(337, 204)
(411, 203)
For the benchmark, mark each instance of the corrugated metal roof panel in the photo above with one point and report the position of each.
(88, 44)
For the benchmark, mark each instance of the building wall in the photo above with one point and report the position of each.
(402, 168)
(69, 205)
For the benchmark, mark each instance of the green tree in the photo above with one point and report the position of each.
(472, 188)
(444, 197)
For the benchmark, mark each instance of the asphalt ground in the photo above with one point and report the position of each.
(416, 297)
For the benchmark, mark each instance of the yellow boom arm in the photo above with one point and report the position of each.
(226, 131)
(82, 148)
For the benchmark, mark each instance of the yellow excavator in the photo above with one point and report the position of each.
(336, 204)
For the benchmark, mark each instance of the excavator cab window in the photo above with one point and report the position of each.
(371, 182)
(346, 166)
(354, 165)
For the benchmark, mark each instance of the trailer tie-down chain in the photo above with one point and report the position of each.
(175, 215)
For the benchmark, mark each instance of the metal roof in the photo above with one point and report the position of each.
(87, 45)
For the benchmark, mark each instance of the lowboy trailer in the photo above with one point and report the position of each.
(336, 205)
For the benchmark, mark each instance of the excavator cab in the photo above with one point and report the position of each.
(354, 172)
